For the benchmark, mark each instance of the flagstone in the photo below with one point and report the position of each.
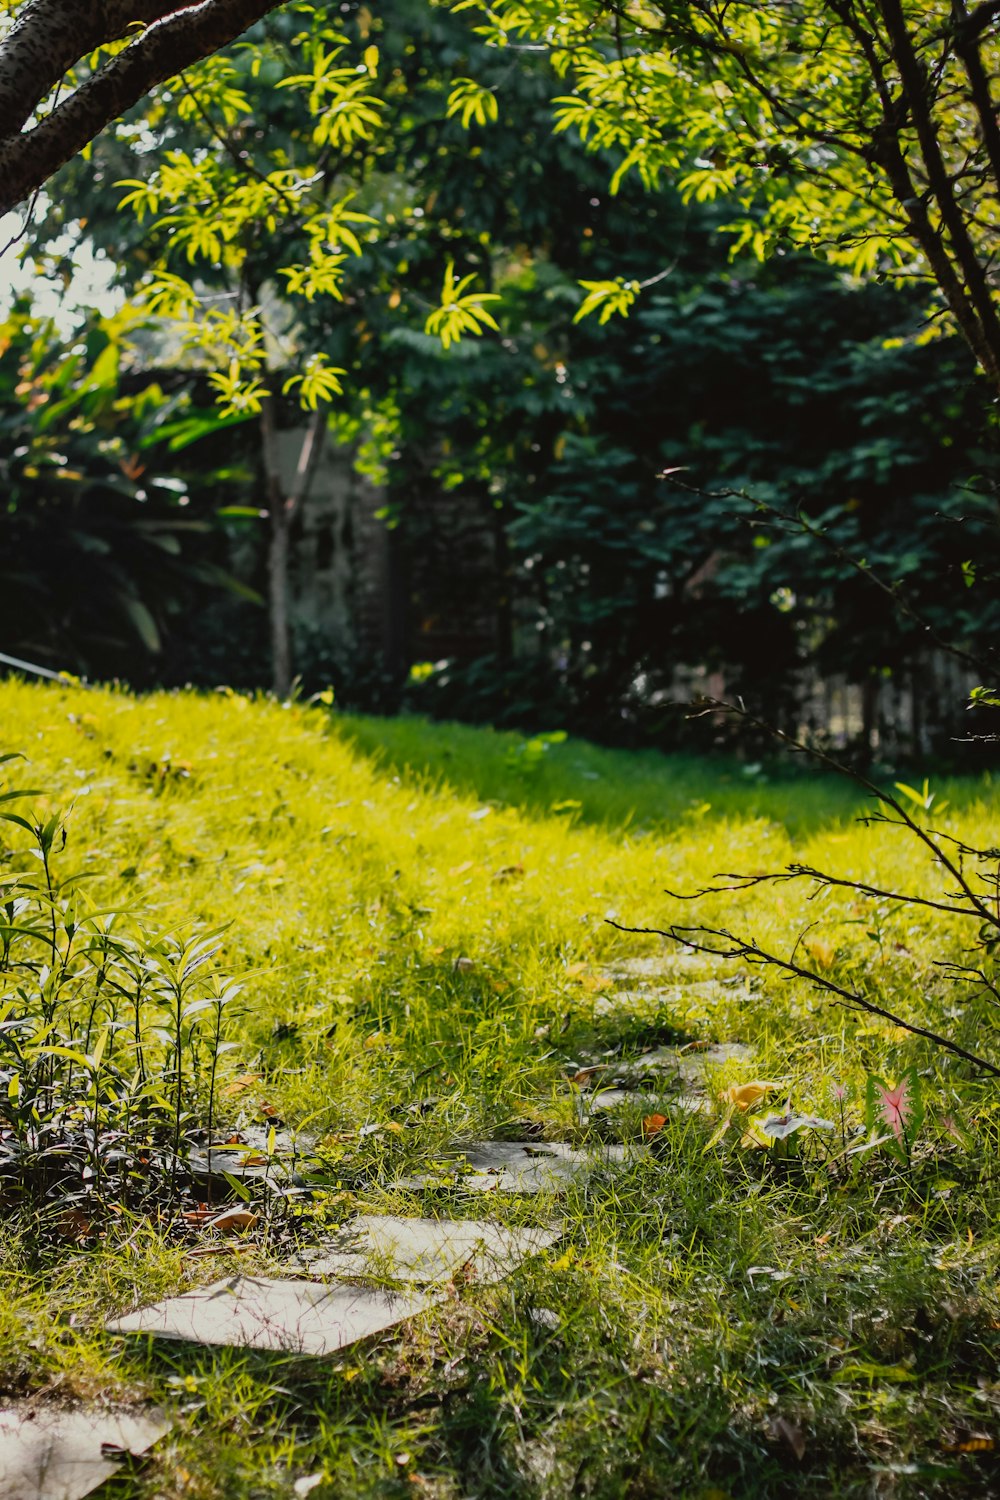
(655, 966)
(250, 1161)
(301, 1317)
(427, 1250)
(515, 1167)
(690, 1064)
(690, 1103)
(63, 1453)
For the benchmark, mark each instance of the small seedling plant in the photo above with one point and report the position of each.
(110, 1034)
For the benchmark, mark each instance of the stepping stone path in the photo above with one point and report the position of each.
(309, 1317)
(49, 1453)
(61, 1453)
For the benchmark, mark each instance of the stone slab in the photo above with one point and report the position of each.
(427, 1250)
(655, 966)
(63, 1453)
(296, 1317)
(292, 1156)
(515, 1167)
(689, 1103)
(690, 1065)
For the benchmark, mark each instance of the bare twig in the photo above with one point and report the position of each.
(807, 872)
(751, 952)
(904, 819)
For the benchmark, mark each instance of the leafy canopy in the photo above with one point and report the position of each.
(865, 130)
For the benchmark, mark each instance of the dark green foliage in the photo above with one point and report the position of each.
(105, 536)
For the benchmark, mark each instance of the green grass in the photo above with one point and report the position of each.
(418, 915)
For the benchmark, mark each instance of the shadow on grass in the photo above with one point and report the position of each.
(628, 790)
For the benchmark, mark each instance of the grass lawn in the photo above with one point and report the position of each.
(417, 914)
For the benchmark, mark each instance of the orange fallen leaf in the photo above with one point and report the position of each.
(199, 1215)
(971, 1445)
(653, 1124)
(239, 1085)
(232, 1219)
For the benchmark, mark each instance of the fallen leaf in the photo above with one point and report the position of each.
(74, 1224)
(653, 1124)
(745, 1094)
(822, 951)
(971, 1445)
(239, 1085)
(783, 1430)
(232, 1219)
(779, 1127)
(583, 1074)
(199, 1215)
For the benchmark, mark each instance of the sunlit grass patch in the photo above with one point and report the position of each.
(419, 925)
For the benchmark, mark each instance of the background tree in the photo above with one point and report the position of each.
(593, 585)
(251, 212)
(865, 131)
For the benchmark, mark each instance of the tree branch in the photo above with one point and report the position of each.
(889, 155)
(821, 757)
(915, 85)
(982, 17)
(967, 48)
(738, 882)
(51, 35)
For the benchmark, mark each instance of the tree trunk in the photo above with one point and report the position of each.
(282, 507)
(277, 598)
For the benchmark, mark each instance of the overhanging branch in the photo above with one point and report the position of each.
(51, 35)
(725, 944)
